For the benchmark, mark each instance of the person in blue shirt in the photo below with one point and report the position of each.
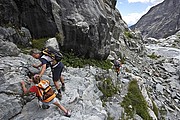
(56, 68)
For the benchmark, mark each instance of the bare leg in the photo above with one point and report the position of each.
(62, 82)
(61, 107)
(56, 85)
(62, 79)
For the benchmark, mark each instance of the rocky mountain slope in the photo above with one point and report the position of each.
(91, 92)
(161, 20)
(157, 75)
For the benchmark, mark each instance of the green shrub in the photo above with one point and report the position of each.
(71, 60)
(135, 99)
(155, 109)
(107, 88)
(39, 43)
(153, 56)
(128, 34)
(110, 118)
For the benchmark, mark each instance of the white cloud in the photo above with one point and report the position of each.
(146, 1)
(142, 1)
(132, 18)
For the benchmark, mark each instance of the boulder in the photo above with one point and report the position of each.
(8, 49)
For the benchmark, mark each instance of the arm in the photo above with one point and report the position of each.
(36, 66)
(42, 70)
(25, 90)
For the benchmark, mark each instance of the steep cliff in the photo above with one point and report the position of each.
(87, 26)
(161, 20)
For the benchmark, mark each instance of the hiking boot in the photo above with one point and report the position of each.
(68, 114)
(45, 106)
(59, 96)
(63, 88)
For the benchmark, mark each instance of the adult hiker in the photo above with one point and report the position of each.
(56, 69)
(117, 65)
(44, 92)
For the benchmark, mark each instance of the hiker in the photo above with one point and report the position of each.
(117, 65)
(56, 69)
(46, 96)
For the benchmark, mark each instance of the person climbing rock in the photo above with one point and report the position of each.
(44, 93)
(56, 69)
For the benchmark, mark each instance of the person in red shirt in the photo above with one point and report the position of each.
(50, 100)
(117, 66)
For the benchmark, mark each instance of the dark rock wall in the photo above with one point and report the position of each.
(87, 26)
(36, 15)
(9, 12)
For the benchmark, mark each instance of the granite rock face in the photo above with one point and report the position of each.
(12, 49)
(87, 26)
(20, 36)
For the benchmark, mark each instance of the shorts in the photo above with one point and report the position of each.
(56, 72)
(51, 102)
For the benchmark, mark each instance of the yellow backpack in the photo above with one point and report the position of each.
(45, 91)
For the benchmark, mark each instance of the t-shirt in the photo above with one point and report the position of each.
(48, 61)
(34, 89)
(44, 61)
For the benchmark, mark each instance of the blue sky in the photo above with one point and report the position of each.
(132, 10)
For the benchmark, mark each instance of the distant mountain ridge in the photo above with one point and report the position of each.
(161, 20)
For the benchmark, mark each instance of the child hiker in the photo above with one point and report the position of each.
(44, 93)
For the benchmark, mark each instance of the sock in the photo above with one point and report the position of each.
(59, 91)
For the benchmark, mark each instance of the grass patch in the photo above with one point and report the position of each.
(154, 56)
(39, 43)
(110, 118)
(70, 59)
(134, 102)
(155, 109)
(107, 88)
(128, 34)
